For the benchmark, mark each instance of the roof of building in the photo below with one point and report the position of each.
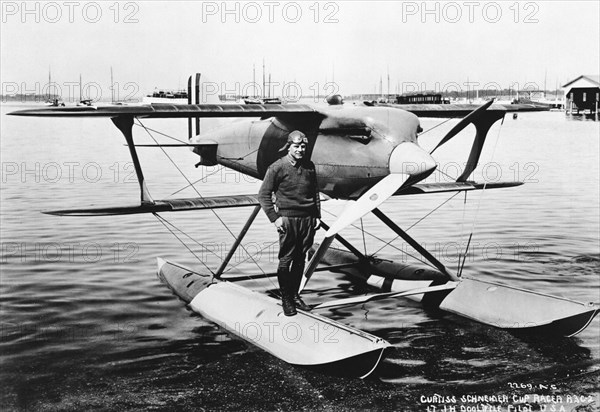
(585, 80)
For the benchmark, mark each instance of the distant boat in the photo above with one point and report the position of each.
(55, 103)
(167, 96)
(264, 100)
(82, 101)
(52, 100)
(85, 102)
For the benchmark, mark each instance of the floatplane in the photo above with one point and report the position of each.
(364, 155)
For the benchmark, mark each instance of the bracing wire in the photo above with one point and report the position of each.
(196, 190)
(202, 178)
(392, 246)
(184, 142)
(210, 174)
(462, 232)
(161, 133)
(246, 259)
(480, 200)
(362, 229)
(417, 222)
(437, 125)
(485, 184)
(162, 220)
(188, 236)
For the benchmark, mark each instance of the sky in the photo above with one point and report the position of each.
(354, 45)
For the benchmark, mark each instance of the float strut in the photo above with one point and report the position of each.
(237, 242)
(320, 252)
(439, 265)
(344, 242)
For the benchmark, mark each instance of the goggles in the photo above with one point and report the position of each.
(296, 137)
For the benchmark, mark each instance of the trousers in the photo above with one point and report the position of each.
(294, 243)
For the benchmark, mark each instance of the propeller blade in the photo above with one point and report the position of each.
(354, 211)
(374, 197)
(369, 298)
(470, 118)
(407, 160)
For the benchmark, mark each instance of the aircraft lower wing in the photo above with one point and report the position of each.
(219, 202)
(169, 205)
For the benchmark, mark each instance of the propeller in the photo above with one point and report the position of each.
(408, 164)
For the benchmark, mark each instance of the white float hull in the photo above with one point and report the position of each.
(306, 339)
(490, 303)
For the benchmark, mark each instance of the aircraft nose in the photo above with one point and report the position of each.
(408, 158)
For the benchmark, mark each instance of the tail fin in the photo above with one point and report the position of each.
(204, 92)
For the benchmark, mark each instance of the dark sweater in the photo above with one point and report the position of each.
(295, 188)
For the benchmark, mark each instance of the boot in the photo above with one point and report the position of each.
(289, 309)
(296, 276)
(300, 303)
(287, 301)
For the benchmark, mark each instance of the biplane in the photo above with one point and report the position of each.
(364, 154)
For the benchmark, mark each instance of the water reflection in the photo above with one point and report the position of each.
(79, 318)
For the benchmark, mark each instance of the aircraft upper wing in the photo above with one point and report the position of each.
(164, 110)
(459, 110)
(444, 110)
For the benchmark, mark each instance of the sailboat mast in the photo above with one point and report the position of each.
(254, 79)
(388, 83)
(112, 92)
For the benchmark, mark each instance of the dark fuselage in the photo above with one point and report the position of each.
(350, 146)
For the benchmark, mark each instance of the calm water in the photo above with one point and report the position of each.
(79, 296)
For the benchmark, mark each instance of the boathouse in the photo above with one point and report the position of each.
(582, 93)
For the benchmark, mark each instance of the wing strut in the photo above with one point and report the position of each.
(237, 242)
(189, 101)
(439, 265)
(482, 127)
(197, 95)
(125, 125)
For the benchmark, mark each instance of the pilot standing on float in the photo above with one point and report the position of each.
(296, 214)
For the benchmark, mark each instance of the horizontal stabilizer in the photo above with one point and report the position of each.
(173, 205)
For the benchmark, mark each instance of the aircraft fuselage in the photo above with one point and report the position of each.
(350, 146)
